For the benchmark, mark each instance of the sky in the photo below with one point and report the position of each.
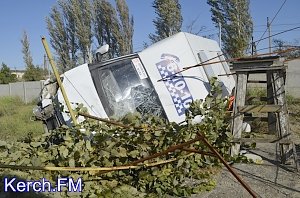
(17, 16)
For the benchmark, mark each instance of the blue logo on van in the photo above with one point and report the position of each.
(176, 84)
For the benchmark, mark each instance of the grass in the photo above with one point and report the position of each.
(16, 119)
(293, 105)
(256, 92)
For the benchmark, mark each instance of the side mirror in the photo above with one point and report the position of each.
(100, 51)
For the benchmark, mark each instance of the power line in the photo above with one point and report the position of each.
(209, 30)
(277, 34)
(278, 12)
(284, 46)
(279, 24)
(272, 20)
(274, 31)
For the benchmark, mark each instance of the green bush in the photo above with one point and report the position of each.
(116, 146)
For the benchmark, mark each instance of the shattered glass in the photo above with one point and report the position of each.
(126, 93)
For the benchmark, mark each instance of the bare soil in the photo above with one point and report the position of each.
(270, 179)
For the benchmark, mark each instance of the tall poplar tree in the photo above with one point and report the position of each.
(126, 28)
(32, 73)
(113, 26)
(106, 26)
(70, 29)
(236, 23)
(26, 51)
(60, 39)
(81, 12)
(73, 24)
(168, 20)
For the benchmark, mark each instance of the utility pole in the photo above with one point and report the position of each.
(252, 46)
(269, 31)
(220, 34)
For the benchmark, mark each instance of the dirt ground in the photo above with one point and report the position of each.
(270, 179)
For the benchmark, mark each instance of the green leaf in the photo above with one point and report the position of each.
(103, 153)
(175, 182)
(134, 153)
(157, 133)
(147, 136)
(88, 145)
(114, 152)
(67, 138)
(16, 155)
(80, 106)
(63, 151)
(122, 152)
(35, 161)
(180, 162)
(144, 146)
(113, 183)
(71, 162)
(3, 154)
(35, 144)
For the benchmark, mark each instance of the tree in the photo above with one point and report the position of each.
(62, 36)
(281, 45)
(32, 73)
(236, 22)
(26, 51)
(70, 29)
(5, 75)
(113, 27)
(168, 20)
(80, 12)
(126, 28)
(73, 24)
(106, 27)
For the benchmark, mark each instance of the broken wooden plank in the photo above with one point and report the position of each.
(259, 70)
(259, 108)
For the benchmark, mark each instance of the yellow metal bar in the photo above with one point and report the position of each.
(58, 80)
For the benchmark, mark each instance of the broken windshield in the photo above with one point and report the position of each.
(124, 87)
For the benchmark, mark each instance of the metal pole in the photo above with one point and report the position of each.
(252, 46)
(269, 31)
(45, 44)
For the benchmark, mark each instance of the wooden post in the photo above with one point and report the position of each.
(282, 118)
(272, 124)
(59, 82)
(240, 97)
